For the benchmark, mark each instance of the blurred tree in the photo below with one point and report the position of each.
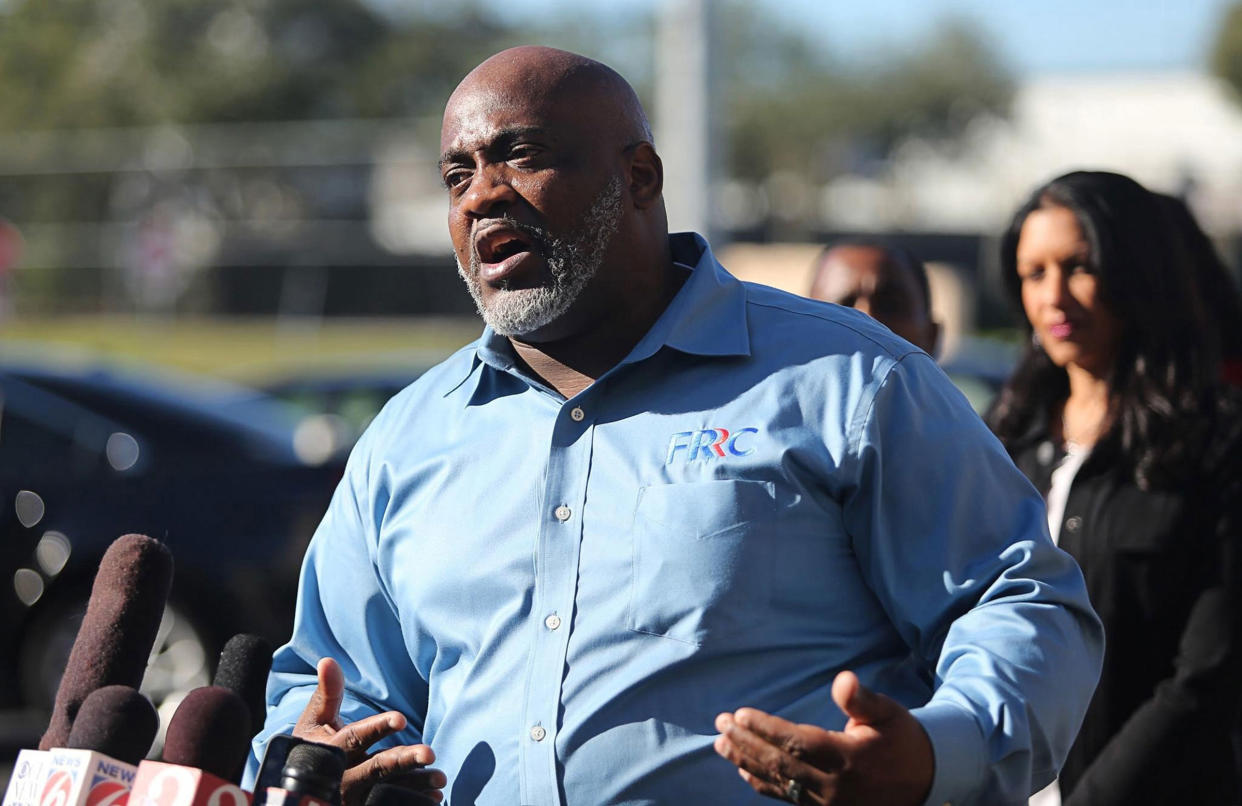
(84, 63)
(98, 66)
(793, 107)
(1226, 56)
(102, 65)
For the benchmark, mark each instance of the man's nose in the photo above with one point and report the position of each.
(489, 189)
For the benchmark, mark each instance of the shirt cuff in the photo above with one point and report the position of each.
(958, 751)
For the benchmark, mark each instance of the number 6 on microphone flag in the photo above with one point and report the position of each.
(159, 783)
(69, 777)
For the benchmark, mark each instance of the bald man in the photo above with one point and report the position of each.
(888, 284)
(661, 537)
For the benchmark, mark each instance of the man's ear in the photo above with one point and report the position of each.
(646, 175)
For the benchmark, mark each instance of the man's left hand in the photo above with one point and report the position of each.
(882, 758)
(403, 766)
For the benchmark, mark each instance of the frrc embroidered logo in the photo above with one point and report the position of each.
(708, 443)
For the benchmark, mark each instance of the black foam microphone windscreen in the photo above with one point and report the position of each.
(315, 770)
(394, 795)
(116, 721)
(209, 730)
(244, 665)
(119, 628)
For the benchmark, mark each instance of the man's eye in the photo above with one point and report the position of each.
(454, 178)
(524, 154)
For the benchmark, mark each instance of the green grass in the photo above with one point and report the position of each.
(241, 349)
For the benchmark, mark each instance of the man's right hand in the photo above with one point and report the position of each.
(403, 765)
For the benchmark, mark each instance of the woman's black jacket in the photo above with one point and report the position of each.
(1162, 570)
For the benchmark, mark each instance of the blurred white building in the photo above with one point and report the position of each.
(1174, 132)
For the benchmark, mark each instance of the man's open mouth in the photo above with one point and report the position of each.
(498, 243)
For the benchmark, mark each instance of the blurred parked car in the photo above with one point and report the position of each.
(213, 471)
(348, 399)
(979, 368)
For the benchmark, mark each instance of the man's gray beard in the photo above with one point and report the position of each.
(572, 261)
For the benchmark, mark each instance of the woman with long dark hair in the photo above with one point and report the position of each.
(1118, 413)
(1216, 287)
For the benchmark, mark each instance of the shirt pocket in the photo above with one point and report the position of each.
(702, 566)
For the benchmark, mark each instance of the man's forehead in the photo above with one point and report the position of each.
(848, 272)
(478, 115)
(838, 283)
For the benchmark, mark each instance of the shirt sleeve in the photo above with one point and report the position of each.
(344, 612)
(953, 540)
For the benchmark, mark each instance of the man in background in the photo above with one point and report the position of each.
(887, 283)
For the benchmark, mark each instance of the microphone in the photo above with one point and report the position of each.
(116, 721)
(204, 747)
(244, 664)
(113, 730)
(119, 628)
(393, 795)
(314, 770)
(209, 730)
(310, 776)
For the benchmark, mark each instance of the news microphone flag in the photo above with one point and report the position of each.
(110, 735)
(159, 783)
(65, 777)
(26, 780)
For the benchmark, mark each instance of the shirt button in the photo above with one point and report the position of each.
(537, 733)
(577, 414)
(552, 622)
(1073, 523)
(562, 513)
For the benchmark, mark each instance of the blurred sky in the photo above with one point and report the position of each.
(1035, 37)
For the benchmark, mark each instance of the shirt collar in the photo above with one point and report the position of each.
(706, 317)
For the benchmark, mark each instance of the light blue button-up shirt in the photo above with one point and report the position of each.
(561, 595)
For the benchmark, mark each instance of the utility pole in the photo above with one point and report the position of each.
(687, 134)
